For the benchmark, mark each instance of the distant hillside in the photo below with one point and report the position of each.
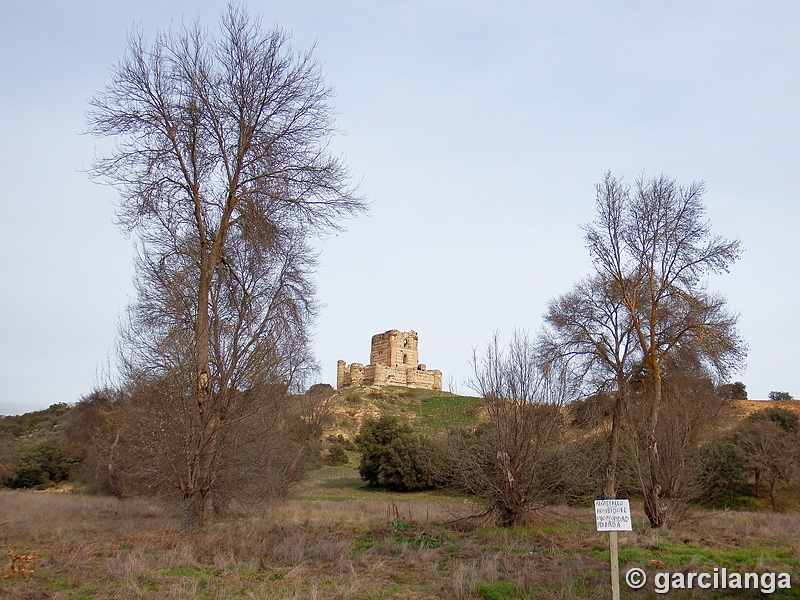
(743, 408)
(740, 409)
(35, 424)
(33, 448)
(431, 410)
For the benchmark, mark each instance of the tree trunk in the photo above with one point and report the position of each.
(772, 482)
(194, 513)
(200, 466)
(653, 507)
(610, 486)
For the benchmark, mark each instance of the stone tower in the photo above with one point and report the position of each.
(394, 349)
(394, 360)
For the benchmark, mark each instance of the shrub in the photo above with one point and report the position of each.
(392, 455)
(342, 441)
(787, 420)
(40, 463)
(732, 391)
(780, 396)
(9, 461)
(722, 472)
(337, 455)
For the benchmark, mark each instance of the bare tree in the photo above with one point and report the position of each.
(771, 451)
(768, 441)
(590, 328)
(657, 248)
(147, 443)
(223, 171)
(509, 459)
(695, 414)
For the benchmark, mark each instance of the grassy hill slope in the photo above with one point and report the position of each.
(425, 409)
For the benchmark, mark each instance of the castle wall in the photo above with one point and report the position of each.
(394, 360)
(429, 380)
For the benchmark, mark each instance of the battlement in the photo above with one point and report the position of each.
(394, 360)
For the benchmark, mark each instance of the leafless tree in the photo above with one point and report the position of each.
(223, 171)
(695, 415)
(656, 246)
(508, 460)
(770, 451)
(590, 328)
(147, 443)
(769, 442)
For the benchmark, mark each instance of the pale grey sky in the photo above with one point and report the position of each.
(478, 131)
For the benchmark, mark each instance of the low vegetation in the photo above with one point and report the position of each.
(340, 535)
(368, 544)
(744, 453)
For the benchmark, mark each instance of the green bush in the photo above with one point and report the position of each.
(337, 455)
(733, 391)
(392, 455)
(786, 419)
(723, 473)
(41, 463)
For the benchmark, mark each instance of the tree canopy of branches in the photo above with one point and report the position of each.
(223, 170)
(510, 460)
(652, 249)
(591, 328)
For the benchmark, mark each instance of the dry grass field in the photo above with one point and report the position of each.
(337, 540)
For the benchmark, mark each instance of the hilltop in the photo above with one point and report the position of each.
(427, 410)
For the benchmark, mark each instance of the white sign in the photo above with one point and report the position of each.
(613, 515)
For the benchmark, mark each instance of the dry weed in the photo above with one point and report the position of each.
(105, 548)
(22, 565)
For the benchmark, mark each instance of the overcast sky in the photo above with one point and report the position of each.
(477, 130)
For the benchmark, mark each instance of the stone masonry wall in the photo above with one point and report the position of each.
(394, 349)
(394, 360)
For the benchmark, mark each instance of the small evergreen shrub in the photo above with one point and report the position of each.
(42, 463)
(393, 455)
(337, 455)
(786, 419)
(723, 473)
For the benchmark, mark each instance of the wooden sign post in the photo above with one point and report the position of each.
(613, 516)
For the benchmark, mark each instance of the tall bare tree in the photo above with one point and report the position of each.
(656, 247)
(591, 329)
(223, 171)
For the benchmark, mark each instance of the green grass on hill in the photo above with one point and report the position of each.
(439, 412)
(425, 409)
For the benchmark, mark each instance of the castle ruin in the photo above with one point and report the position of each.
(393, 360)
